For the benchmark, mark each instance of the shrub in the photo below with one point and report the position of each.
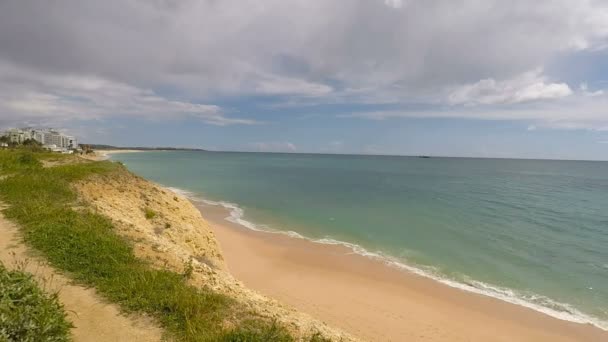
(17, 160)
(253, 331)
(27, 313)
(149, 213)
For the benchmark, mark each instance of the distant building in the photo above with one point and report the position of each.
(39, 136)
(18, 136)
(51, 137)
(48, 138)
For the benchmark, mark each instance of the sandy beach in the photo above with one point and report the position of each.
(372, 300)
(105, 154)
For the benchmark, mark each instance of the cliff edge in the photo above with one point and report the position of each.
(169, 231)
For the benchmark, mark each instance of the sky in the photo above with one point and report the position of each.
(468, 78)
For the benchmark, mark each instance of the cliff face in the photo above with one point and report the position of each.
(167, 230)
(160, 222)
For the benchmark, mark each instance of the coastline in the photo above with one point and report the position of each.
(326, 280)
(371, 299)
(105, 154)
(178, 238)
(143, 248)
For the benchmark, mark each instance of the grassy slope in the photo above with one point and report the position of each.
(27, 313)
(84, 244)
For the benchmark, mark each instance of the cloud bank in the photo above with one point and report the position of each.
(168, 59)
(530, 86)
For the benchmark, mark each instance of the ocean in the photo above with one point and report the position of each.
(531, 232)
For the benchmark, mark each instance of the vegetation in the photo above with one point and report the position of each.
(30, 144)
(149, 213)
(85, 245)
(27, 313)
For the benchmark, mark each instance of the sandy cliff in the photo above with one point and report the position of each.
(169, 231)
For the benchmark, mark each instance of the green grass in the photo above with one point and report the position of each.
(12, 161)
(26, 158)
(84, 244)
(27, 313)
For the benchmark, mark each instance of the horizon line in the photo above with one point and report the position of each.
(429, 156)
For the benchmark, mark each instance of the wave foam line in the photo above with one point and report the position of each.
(549, 307)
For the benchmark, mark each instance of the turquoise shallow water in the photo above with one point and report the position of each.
(528, 231)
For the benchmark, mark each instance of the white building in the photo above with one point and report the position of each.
(39, 136)
(48, 138)
(58, 139)
(18, 136)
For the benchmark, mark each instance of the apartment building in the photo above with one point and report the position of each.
(49, 138)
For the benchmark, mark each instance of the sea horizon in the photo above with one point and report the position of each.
(200, 149)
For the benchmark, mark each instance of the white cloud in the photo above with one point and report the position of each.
(274, 146)
(529, 86)
(394, 3)
(584, 88)
(290, 86)
(210, 47)
(25, 95)
(573, 112)
(93, 59)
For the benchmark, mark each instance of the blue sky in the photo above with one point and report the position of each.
(480, 79)
(401, 136)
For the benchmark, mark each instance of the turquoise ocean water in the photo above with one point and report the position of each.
(531, 232)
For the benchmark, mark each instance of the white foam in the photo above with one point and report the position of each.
(532, 301)
(183, 193)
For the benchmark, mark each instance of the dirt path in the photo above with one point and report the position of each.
(93, 318)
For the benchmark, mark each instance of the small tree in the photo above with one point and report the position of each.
(31, 142)
(31, 145)
(86, 149)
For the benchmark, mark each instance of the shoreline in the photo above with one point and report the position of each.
(106, 154)
(101, 155)
(484, 316)
(177, 238)
(568, 314)
(371, 299)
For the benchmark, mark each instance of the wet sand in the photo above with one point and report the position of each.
(375, 301)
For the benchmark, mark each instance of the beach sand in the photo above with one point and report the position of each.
(375, 301)
(99, 155)
(105, 154)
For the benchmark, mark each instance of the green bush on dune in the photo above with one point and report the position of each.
(27, 313)
(84, 244)
(149, 213)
